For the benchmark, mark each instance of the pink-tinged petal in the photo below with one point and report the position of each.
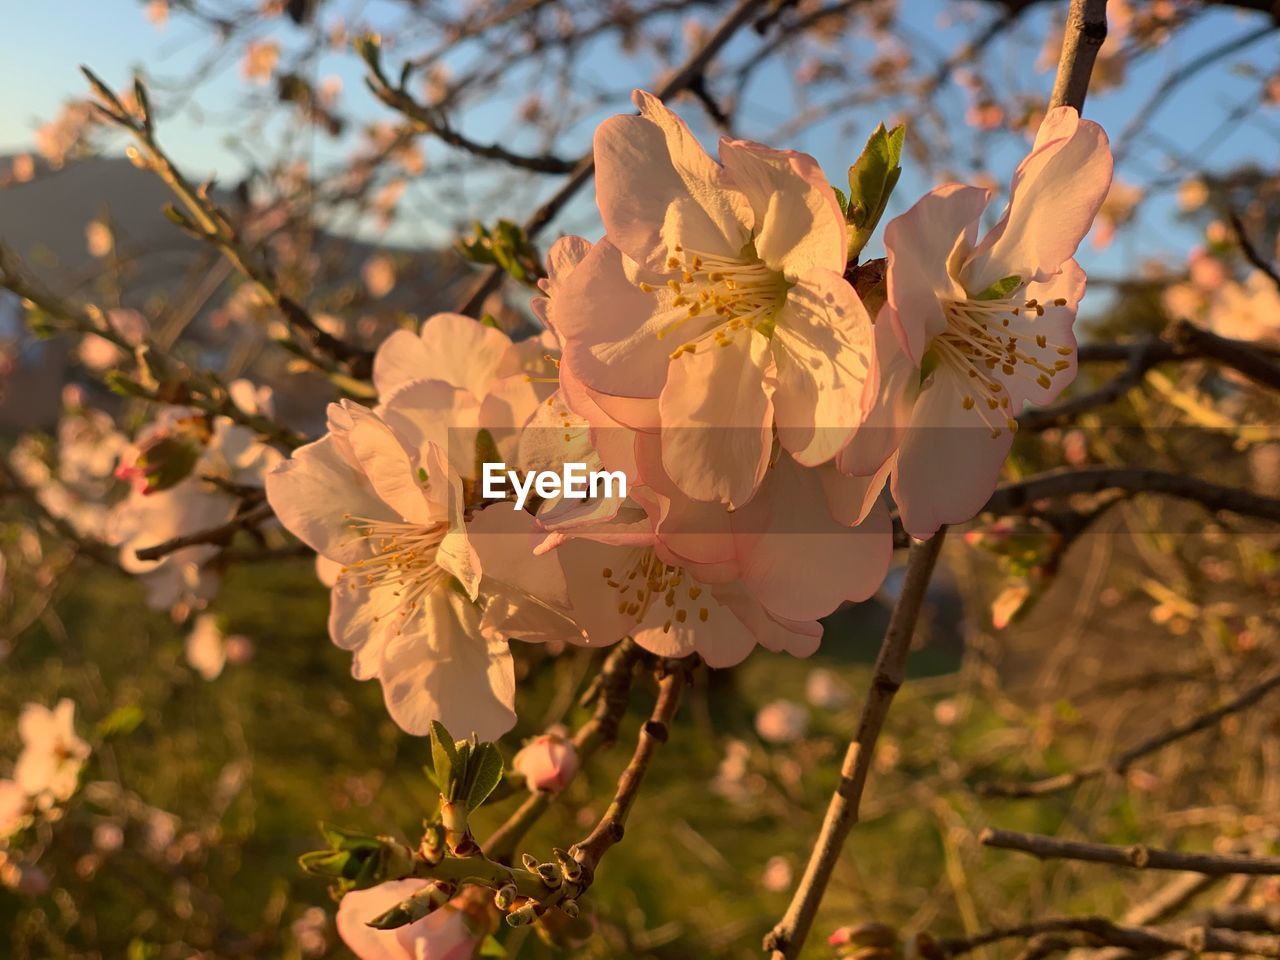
(565, 254)
(446, 934)
(360, 906)
(949, 462)
(315, 492)
(528, 594)
(798, 561)
(717, 417)
(823, 346)
(327, 570)
(1055, 195)
(1056, 329)
(390, 471)
(850, 498)
(359, 618)
(509, 405)
(716, 635)
(876, 439)
(657, 188)
(799, 638)
(441, 668)
(615, 350)
(429, 413)
(798, 223)
(450, 347)
(694, 531)
(919, 245)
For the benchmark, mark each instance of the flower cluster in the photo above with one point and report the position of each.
(711, 348)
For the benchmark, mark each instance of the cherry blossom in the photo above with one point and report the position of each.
(452, 932)
(987, 325)
(48, 769)
(727, 311)
(547, 762)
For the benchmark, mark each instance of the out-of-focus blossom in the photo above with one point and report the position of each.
(782, 721)
(825, 690)
(99, 239)
(205, 648)
(1117, 210)
(547, 762)
(25, 878)
(777, 875)
(108, 836)
(260, 59)
(1192, 194)
(158, 13)
(48, 768)
(67, 133)
(452, 932)
(310, 932)
(98, 353)
(15, 808)
(379, 275)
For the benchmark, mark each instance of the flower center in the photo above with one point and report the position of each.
(993, 341)
(723, 295)
(646, 581)
(403, 559)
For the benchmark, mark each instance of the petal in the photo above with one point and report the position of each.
(656, 188)
(823, 347)
(949, 462)
(796, 637)
(389, 470)
(717, 415)
(1055, 195)
(1056, 329)
(919, 245)
(618, 350)
(429, 413)
(798, 561)
(716, 635)
(360, 906)
(798, 223)
(695, 531)
(450, 347)
(441, 668)
(359, 619)
(565, 254)
(876, 439)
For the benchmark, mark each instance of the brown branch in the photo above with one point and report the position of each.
(787, 938)
(612, 694)
(655, 732)
(1082, 39)
(1120, 765)
(1099, 931)
(1183, 341)
(430, 120)
(221, 535)
(584, 169)
(1138, 856)
(1251, 253)
(1021, 495)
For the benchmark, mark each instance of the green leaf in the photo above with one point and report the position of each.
(120, 722)
(444, 756)
(492, 948)
(484, 774)
(1001, 289)
(871, 181)
(841, 198)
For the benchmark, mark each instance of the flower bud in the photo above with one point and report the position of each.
(417, 905)
(547, 762)
(505, 897)
(165, 457)
(524, 915)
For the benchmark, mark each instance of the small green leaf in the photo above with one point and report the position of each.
(492, 948)
(871, 181)
(444, 756)
(1001, 289)
(485, 774)
(841, 198)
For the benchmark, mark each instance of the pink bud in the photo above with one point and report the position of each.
(548, 762)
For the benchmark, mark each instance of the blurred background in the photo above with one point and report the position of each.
(224, 724)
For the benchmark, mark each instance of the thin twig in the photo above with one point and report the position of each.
(738, 17)
(1120, 765)
(1144, 941)
(1138, 856)
(1082, 39)
(1021, 495)
(1251, 253)
(787, 938)
(613, 694)
(220, 535)
(655, 732)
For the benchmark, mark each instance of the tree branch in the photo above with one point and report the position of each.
(220, 535)
(1144, 941)
(1120, 765)
(1082, 39)
(1139, 856)
(787, 938)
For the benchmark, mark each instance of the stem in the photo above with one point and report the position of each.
(1138, 856)
(787, 938)
(1085, 31)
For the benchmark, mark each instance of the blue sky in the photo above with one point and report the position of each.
(50, 38)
